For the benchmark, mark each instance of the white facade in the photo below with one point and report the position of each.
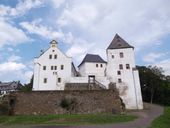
(96, 69)
(126, 76)
(120, 69)
(52, 69)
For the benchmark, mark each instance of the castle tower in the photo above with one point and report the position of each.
(121, 70)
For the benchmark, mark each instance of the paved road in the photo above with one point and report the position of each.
(144, 120)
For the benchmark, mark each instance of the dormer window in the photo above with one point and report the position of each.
(121, 55)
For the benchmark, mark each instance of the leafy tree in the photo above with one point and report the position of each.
(28, 87)
(155, 86)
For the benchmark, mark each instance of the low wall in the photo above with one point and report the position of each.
(62, 102)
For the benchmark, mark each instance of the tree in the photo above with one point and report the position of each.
(28, 87)
(151, 78)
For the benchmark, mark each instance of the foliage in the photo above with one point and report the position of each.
(72, 119)
(28, 87)
(68, 104)
(163, 121)
(155, 86)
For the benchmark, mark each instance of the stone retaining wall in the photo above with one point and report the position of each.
(62, 102)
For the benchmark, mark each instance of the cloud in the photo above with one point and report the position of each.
(35, 27)
(21, 8)
(11, 66)
(152, 57)
(165, 64)
(142, 23)
(12, 71)
(79, 48)
(57, 3)
(14, 58)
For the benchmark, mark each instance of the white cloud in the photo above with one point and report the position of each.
(142, 23)
(13, 71)
(10, 34)
(152, 57)
(14, 58)
(21, 8)
(46, 32)
(11, 66)
(165, 64)
(79, 48)
(57, 3)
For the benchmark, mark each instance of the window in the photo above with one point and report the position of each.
(96, 65)
(50, 56)
(53, 50)
(121, 54)
(51, 67)
(44, 67)
(62, 67)
(120, 66)
(113, 56)
(54, 73)
(55, 67)
(59, 80)
(119, 80)
(45, 80)
(127, 66)
(55, 56)
(119, 72)
(101, 65)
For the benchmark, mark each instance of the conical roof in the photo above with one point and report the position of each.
(119, 43)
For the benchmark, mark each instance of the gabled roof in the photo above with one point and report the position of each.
(118, 43)
(92, 58)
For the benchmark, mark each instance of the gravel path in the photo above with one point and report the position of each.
(144, 120)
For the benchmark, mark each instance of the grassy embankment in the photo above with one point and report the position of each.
(163, 121)
(73, 119)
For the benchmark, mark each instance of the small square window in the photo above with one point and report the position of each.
(121, 55)
(97, 65)
(55, 56)
(59, 80)
(51, 67)
(62, 67)
(119, 80)
(101, 65)
(119, 72)
(127, 66)
(45, 80)
(55, 67)
(44, 67)
(120, 66)
(50, 56)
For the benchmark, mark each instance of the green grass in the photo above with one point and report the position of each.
(163, 121)
(73, 119)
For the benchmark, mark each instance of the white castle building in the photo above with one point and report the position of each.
(53, 70)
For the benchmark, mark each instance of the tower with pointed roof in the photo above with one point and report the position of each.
(121, 70)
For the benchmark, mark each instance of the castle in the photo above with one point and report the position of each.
(53, 70)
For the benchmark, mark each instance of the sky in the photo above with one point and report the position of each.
(81, 27)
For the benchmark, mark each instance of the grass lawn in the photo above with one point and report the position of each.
(163, 121)
(73, 119)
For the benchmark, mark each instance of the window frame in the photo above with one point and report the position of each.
(121, 55)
